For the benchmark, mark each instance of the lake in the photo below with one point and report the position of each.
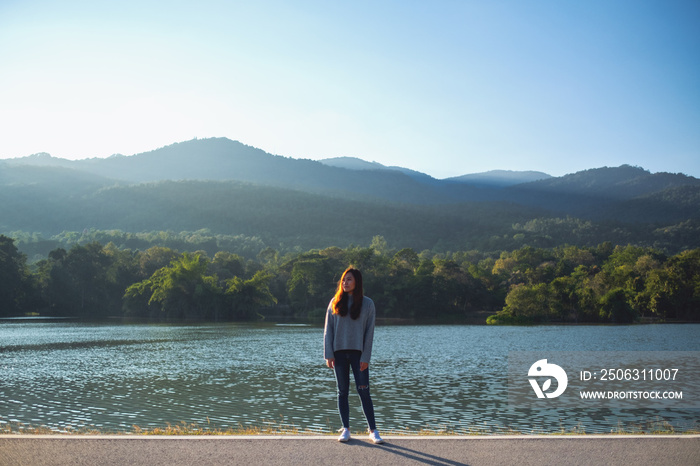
(110, 377)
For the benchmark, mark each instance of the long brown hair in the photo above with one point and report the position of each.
(340, 300)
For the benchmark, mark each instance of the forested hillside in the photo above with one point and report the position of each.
(626, 193)
(288, 219)
(214, 229)
(281, 218)
(231, 189)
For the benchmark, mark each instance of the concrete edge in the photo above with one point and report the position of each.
(332, 437)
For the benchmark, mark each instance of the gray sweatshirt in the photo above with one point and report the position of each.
(344, 333)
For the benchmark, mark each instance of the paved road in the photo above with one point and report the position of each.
(400, 450)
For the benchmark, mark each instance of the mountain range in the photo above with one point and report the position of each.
(232, 188)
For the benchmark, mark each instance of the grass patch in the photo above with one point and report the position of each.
(183, 428)
(653, 427)
(656, 426)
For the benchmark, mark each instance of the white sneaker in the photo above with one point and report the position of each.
(375, 438)
(344, 435)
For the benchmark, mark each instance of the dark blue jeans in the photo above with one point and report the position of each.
(344, 361)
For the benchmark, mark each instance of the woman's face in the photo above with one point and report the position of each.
(348, 282)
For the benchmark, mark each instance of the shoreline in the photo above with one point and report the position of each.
(331, 436)
(194, 430)
(382, 321)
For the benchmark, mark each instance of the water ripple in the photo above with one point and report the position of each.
(111, 377)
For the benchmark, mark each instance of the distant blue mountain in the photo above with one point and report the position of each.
(354, 163)
(500, 178)
(493, 178)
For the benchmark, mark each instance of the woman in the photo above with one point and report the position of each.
(348, 345)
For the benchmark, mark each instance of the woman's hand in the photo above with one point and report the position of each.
(364, 366)
(330, 363)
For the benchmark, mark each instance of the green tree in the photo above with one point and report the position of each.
(246, 297)
(311, 282)
(122, 271)
(564, 302)
(76, 282)
(227, 265)
(404, 262)
(453, 289)
(673, 291)
(14, 278)
(524, 304)
(155, 258)
(87, 265)
(615, 307)
(181, 290)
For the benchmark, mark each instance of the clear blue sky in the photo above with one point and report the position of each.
(446, 87)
